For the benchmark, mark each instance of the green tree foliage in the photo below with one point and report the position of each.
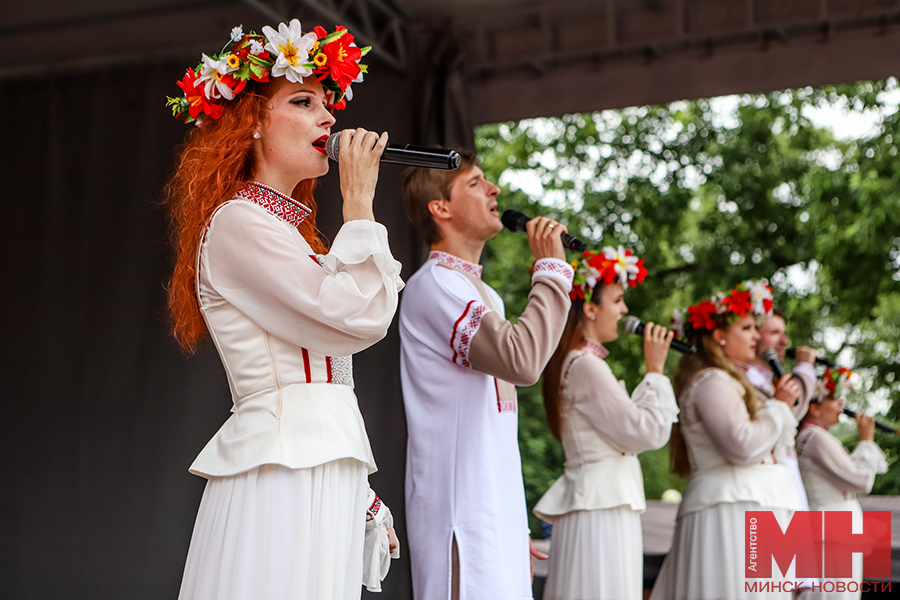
(710, 197)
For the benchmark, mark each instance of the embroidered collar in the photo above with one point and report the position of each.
(740, 366)
(814, 423)
(276, 203)
(594, 347)
(455, 262)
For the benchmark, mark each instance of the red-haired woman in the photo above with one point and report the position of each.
(596, 506)
(287, 512)
(832, 476)
(731, 443)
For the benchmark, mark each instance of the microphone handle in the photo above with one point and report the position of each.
(878, 425)
(776, 368)
(515, 221)
(572, 243)
(421, 156)
(676, 345)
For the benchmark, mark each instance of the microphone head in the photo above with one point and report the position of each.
(631, 324)
(514, 220)
(790, 353)
(333, 146)
(770, 355)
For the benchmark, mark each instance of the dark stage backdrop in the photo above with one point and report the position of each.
(102, 414)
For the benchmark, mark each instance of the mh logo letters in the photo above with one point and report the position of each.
(822, 542)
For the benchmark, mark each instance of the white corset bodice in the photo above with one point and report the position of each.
(285, 323)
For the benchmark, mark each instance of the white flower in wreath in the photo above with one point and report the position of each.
(625, 266)
(237, 33)
(256, 47)
(292, 49)
(591, 276)
(759, 293)
(678, 321)
(211, 73)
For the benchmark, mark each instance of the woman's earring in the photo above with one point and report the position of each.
(256, 135)
(593, 318)
(722, 343)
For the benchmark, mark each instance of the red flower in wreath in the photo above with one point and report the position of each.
(738, 302)
(341, 60)
(196, 98)
(701, 315)
(642, 272)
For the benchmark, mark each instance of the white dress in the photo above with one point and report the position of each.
(735, 469)
(287, 513)
(460, 360)
(833, 477)
(596, 506)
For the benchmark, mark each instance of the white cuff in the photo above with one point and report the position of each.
(555, 268)
(806, 369)
(872, 455)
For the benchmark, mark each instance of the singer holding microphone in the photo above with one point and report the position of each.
(832, 476)
(596, 506)
(460, 360)
(796, 388)
(730, 442)
(287, 512)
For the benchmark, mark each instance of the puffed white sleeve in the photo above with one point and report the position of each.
(741, 441)
(630, 424)
(376, 547)
(264, 268)
(852, 472)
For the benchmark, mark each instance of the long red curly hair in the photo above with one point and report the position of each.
(215, 162)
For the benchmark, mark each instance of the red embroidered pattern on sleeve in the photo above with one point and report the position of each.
(373, 509)
(276, 203)
(554, 268)
(464, 330)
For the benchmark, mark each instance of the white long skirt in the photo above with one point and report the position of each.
(597, 555)
(706, 561)
(280, 534)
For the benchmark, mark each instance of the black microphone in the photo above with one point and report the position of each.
(632, 324)
(515, 221)
(820, 360)
(404, 154)
(879, 426)
(772, 358)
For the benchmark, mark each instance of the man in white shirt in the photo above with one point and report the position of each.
(796, 388)
(460, 360)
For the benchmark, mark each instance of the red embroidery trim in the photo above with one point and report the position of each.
(328, 368)
(455, 262)
(373, 508)
(276, 203)
(497, 389)
(467, 331)
(595, 348)
(546, 266)
(455, 325)
(306, 365)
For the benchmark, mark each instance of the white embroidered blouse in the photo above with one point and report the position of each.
(603, 431)
(285, 323)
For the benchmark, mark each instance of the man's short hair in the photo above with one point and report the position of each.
(421, 186)
(779, 312)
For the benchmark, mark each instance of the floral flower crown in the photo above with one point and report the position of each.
(834, 383)
(610, 266)
(332, 58)
(753, 297)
